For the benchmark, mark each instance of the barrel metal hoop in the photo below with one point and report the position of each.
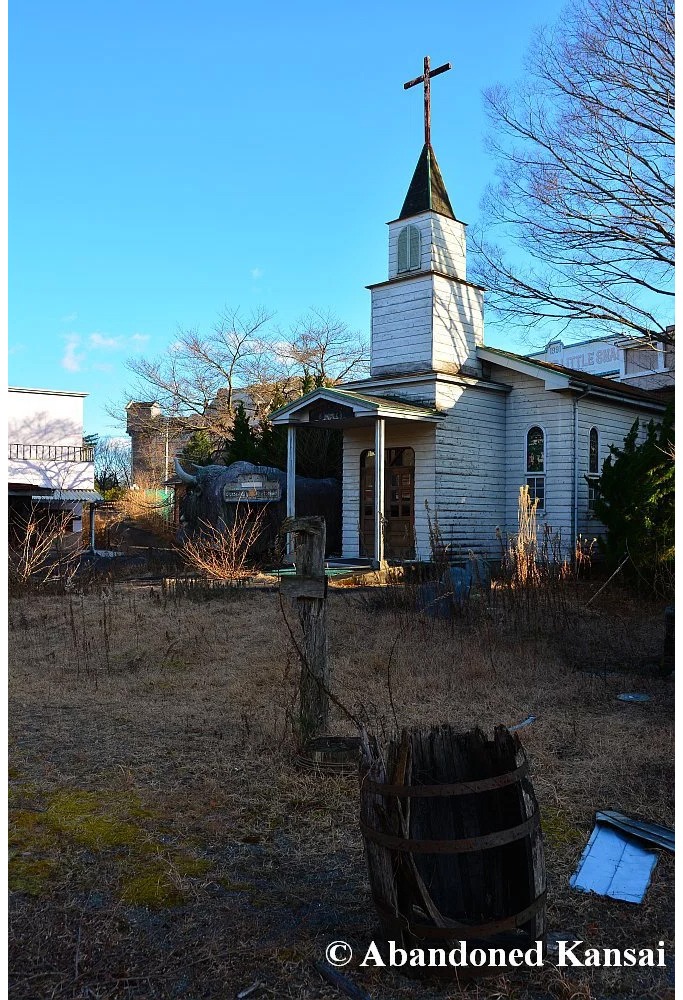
(459, 788)
(459, 931)
(464, 846)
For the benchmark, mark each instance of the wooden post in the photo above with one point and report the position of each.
(379, 492)
(308, 590)
(92, 527)
(291, 480)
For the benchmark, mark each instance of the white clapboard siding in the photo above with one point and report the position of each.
(354, 443)
(402, 326)
(442, 244)
(448, 246)
(431, 322)
(530, 404)
(399, 434)
(613, 423)
(428, 323)
(470, 467)
(458, 325)
(423, 393)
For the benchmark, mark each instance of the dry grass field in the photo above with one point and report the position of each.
(165, 844)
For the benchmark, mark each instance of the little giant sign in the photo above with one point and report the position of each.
(254, 488)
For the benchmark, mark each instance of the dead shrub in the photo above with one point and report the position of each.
(222, 553)
(41, 549)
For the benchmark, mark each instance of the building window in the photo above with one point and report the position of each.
(593, 452)
(409, 249)
(593, 468)
(669, 357)
(640, 359)
(535, 466)
(593, 494)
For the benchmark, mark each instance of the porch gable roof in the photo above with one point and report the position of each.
(361, 404)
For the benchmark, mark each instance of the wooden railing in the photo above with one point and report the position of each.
(51, 453)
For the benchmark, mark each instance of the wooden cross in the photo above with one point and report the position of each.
(425, 78)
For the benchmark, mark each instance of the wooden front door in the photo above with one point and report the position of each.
(399, 503)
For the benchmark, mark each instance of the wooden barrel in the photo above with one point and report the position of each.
(453, 843)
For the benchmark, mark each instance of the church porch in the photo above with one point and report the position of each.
(388, 469)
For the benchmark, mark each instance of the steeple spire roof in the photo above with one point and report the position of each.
(427, 191)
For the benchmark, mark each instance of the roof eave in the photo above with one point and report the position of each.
(363, 407)
(642, 403)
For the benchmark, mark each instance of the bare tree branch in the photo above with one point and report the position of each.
(584, 199)
(199, 381)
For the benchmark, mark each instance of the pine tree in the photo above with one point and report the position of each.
(272, 445)
(308, 383)
(243, 443)
(199, 449)
(636, 504)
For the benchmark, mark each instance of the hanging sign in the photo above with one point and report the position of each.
(327, 412)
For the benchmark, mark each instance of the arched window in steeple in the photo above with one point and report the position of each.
(408, 249)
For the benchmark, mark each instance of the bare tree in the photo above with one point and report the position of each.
(112, 464)
(586, 185)
(323, 345)
(195, 380)
(199, 381)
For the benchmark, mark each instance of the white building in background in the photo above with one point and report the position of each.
(447, 428)
(49, 467)
(647, 364)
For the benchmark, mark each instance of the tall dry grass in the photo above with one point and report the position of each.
(145, 506)
(185, 706)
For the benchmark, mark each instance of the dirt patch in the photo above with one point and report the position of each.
(164, 843)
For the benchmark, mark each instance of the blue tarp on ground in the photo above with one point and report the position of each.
(614, 864)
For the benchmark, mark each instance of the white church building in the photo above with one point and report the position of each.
(448, 428)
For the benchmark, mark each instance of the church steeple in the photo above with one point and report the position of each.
(427, 191)
(426, 317)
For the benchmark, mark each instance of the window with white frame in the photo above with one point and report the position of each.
(408, 249)
(593, 468)
(535, 466)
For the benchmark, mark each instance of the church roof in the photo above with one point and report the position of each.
(427, 191)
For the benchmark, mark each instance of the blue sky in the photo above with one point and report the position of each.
(169, 159)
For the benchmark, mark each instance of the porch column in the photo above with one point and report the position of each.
(92, 527)
(379, 491)
(291, 479)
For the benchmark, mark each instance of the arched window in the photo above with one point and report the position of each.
(535, 465)
(593, 452)
(593, 468)
(408, 249)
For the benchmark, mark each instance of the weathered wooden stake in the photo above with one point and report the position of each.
(308, 590)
